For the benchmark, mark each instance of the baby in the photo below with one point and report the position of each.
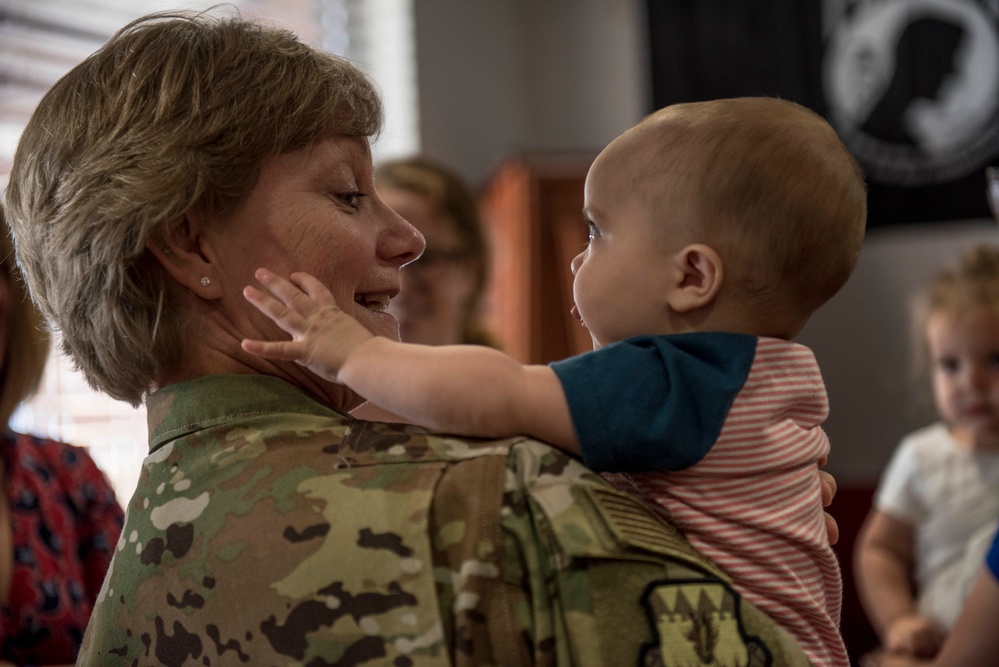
(935, 510)
(716, 230)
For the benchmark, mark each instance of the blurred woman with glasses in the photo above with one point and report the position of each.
(441, 293)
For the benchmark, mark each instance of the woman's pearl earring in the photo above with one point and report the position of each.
(205, 281)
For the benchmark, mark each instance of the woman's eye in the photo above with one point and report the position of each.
(351, 199)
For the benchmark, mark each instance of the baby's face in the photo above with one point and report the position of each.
(622, 277)
(964, 353)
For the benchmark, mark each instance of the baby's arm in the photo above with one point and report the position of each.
(884, 562)
(462, 389)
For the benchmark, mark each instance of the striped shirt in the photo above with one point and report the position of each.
(744, 428)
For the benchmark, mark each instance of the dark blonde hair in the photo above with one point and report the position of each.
(969, 284)
(27, 348)
(773, 184)
(454, 200)
(177, 112)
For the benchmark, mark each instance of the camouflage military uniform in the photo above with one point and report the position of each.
(267, 529)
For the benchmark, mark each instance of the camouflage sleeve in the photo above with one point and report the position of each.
(609, 582)
(262, 544)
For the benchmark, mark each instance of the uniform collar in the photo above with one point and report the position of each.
(184, 407)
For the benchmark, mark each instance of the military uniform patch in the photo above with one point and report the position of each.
(699, 620)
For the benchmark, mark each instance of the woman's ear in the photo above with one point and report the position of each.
(697, 279)
(178, 250)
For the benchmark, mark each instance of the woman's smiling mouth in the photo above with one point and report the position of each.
(376, 301)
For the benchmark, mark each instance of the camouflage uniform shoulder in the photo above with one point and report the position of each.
(267, 528)
(639, 572)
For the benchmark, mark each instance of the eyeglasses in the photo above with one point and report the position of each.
(437, 259)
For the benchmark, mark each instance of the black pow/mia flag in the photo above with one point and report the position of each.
(912, 86)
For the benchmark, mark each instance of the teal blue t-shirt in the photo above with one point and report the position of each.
(654, 403)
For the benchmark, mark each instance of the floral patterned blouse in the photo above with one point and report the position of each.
(65, 523)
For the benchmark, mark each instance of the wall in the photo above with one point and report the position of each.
(864, 343)
(498, 77)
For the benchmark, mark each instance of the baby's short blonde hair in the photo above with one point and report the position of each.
(775, 192)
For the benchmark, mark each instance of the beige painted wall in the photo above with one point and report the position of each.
(864, 343)
(498, 77)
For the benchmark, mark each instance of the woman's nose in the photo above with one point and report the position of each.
(576, 262)
(401, 243)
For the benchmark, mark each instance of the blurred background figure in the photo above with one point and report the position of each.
(59, 518)
(936, 507)
(973, 641)
(441, 293)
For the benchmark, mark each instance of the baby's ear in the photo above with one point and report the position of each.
(698, 275)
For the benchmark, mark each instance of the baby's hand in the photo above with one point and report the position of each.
(322, 335)
(914, 635)
(828, 485)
